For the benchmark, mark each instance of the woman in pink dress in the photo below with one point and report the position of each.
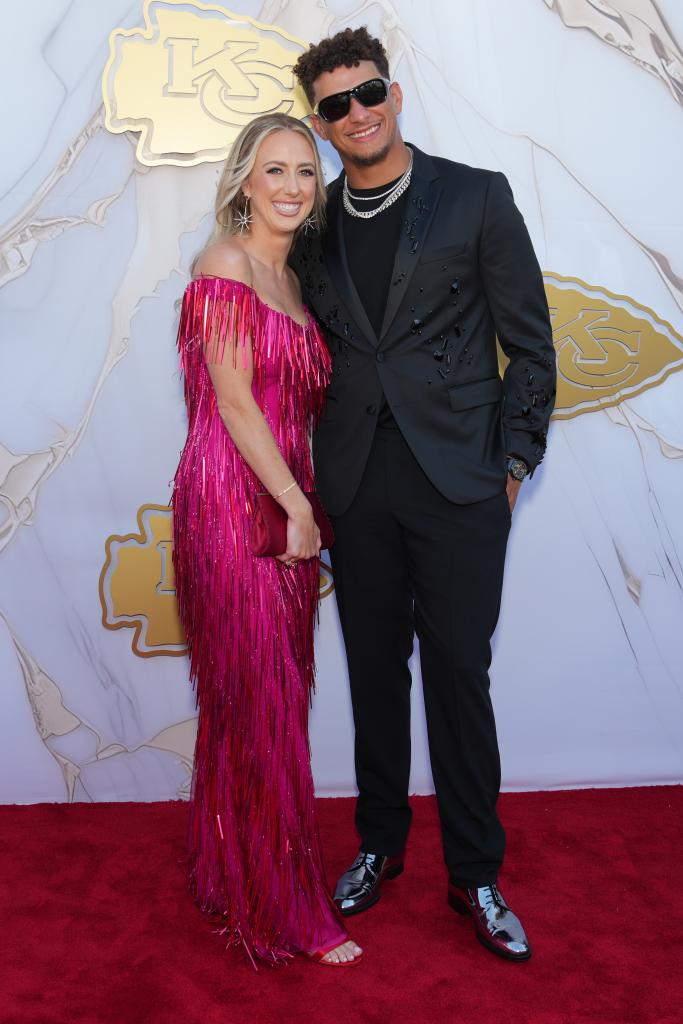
(255, 368)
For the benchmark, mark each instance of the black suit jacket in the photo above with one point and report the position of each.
(464, 271)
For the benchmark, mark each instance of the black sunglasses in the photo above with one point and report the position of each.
(370, 94)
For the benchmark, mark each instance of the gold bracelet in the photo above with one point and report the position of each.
(293, 484)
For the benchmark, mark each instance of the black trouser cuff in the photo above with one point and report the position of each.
(463, 883)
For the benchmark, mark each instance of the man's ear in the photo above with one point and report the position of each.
(397, 96)
(318, 126)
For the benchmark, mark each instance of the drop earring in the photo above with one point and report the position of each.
(244, 217)
(310, 224)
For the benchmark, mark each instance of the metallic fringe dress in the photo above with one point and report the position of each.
(254, 851)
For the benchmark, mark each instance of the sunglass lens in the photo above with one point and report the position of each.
(372, 93)
(333, 108)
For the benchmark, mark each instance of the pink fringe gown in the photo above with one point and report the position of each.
(254, 851)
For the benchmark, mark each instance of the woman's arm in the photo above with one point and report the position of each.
(243, 419)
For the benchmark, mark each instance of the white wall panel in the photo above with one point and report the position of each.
(94, 253)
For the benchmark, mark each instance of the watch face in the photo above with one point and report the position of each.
(517, 469)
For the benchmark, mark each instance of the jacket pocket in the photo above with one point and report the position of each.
(477, 392)
(444, 254)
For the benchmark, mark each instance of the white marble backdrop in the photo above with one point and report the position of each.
(580, 104)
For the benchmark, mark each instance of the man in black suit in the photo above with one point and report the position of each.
(419, 458)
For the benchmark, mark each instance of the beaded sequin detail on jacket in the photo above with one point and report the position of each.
(254, 852)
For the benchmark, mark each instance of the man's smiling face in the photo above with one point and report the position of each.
(366, 134)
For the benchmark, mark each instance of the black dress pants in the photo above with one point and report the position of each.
(406, 560)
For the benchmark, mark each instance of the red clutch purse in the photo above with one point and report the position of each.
(269, 525)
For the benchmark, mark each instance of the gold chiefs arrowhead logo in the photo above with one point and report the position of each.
(608, 346)
(193, 77)
(137, 585)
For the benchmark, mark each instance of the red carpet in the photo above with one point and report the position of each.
(97, 926)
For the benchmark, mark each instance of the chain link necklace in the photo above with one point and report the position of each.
(391, 195)
(371, 199)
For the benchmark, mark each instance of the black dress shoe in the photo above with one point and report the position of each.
(358, 888)
(497, 927)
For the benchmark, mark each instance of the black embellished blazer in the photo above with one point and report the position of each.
(465, 272)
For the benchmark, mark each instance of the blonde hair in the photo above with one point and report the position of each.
(230, 199)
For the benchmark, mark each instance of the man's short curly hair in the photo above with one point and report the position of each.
(346, 49)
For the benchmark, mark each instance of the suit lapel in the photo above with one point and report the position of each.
(334, 251)
(422, 199)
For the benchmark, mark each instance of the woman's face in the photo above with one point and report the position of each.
(281, 187)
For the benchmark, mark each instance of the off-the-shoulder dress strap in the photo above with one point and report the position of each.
(262, 302)
(217, 311)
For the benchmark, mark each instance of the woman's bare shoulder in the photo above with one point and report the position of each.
(224, 259)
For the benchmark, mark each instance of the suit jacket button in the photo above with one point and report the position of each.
(380, 357)
(371, 409)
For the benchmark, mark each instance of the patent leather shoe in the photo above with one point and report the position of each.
(359, 887)
(496, 926)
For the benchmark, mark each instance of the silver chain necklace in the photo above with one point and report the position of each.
(369, 199)
(392, 195)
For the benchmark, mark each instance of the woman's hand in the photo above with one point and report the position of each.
(303, 537)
